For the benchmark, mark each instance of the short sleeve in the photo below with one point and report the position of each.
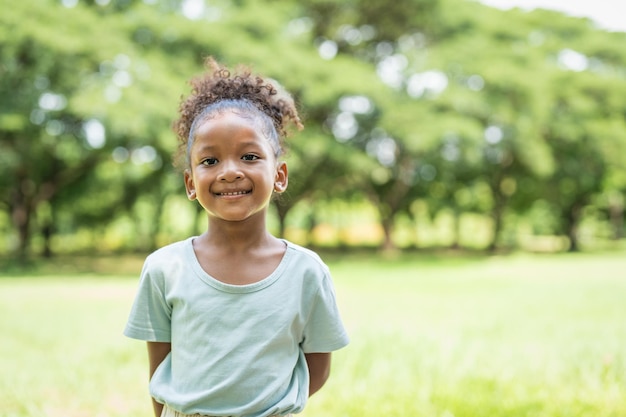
(324, 331)
(150, 315)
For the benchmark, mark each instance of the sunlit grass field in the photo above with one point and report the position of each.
(432, 336)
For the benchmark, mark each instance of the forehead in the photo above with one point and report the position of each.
(231, 127)
(228, 121)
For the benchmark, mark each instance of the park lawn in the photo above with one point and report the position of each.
(511, 336)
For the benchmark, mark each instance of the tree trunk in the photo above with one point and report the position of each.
(155, 228)
(196, 219)
(282, 225)
(311, 225)
(282, 209)
(456, 232)
(497, 214)
(387, 225)
(616, 216)
(47, 231)
(21, 213)
(573, 220)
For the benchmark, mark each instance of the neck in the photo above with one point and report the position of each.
(237, 236)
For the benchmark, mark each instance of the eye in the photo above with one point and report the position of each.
(250, 157)
(209, 161)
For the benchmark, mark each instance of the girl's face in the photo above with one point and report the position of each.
(233, 171)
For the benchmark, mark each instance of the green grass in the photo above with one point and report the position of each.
(527, 335)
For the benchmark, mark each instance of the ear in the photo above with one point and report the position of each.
(189, 185)
(281, 179)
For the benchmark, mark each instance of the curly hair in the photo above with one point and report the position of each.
(220, 90)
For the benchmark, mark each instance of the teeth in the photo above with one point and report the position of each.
(235, 193)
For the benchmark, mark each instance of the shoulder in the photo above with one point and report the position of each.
(172, 249)
(308, 266)
(306, 256)
(168, 258)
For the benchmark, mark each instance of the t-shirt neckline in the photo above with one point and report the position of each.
(233, 288)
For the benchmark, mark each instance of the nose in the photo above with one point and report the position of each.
(230, 171)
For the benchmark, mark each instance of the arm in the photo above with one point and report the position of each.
(319, 370)
(157, 351)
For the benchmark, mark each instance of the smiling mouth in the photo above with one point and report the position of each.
(232, 193)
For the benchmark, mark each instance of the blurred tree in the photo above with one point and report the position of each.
(430, 100)
(356, 25)
(321, 169)
(579, 147)
(77, 106)
(585, 129)
(125, 97)
(492, 71)
(45, 142)
(450, 172)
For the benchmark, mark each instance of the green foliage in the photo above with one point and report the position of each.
(460, 97)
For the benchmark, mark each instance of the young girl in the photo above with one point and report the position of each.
(238, 322)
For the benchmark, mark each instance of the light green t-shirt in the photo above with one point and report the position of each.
(237, 350)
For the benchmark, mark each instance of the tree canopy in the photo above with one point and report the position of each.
(444, 104)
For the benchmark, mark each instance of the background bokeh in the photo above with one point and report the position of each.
(429, 123)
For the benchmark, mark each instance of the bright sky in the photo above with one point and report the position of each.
(608, 14)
